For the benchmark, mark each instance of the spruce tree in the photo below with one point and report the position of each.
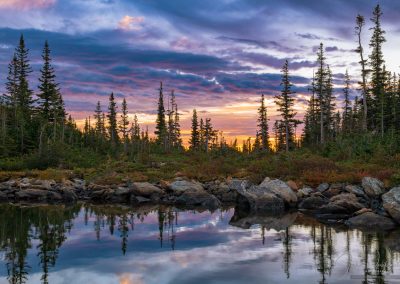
(48, 95)
(177, 126)
(320, 84)
(195, 135)
(112, 121)
(25, 100)
(123, 125)
(98, 116)
(263, 125)
(285, 103)
(377, 72)
(161, 128)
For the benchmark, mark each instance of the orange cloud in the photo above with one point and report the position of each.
(130, 23)
(25, 4)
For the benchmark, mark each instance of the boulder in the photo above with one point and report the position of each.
(391, 203)
(260, 199)
(238, 184)
(346, 203)
(198, 198)
(32, 194)
(68, 194)
(180, 186)
(222, 191)
(123, 191)
(373, 187)
(304, 192)
(371, 222)
(323, 187)
(293, 185)
(312, 202)
(355, 189)
(145, 189)
(280, 189)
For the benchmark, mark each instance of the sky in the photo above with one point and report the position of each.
(218, 56)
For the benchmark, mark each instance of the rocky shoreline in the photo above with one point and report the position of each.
(368, 205)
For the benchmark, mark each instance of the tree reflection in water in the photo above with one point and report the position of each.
(45, 229)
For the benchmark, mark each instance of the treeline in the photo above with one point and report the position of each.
(37, 123)
(375, 111)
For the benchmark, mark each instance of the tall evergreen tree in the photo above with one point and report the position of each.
(161, 127)
(48, 95)
(112, 121)
(263, 125)
(195, 134)
(285, 103)
(320, 83)
(377, 72)
(123, 125)
(25, 102)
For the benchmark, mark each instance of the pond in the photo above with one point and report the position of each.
(155, 244)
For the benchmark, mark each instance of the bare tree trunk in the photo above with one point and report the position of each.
(364, 80)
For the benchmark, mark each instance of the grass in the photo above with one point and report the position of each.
(346, 162)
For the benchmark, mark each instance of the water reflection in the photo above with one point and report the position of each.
(157, 244)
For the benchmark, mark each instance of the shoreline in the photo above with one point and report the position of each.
(368, 205)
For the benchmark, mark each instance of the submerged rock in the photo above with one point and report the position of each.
(373, 187)
(371, 221)
(391, 203)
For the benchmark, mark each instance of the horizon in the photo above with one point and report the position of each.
(217, 64)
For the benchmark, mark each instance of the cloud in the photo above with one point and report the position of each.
(130, 23)
(25, 4)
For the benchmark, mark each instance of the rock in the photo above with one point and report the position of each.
(145, 189)
(312, 203)
(238, 184)
(198, 198)
(355, 189)
(265, 182)
(373, 187)
(123, 191)
(3, 196)
(346, 203)
(331, 192)
(260, 199)
(292, 185)
(323, 187)
(222, 192)
(54, 196)
(68, 194)
(304, 192)
(371, 221)
(35, 194)
(280, 189)
(44, 184)
(362, 211)
(180, 186)
(391, 203)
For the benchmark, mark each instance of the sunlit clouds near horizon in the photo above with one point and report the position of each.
(218, 56)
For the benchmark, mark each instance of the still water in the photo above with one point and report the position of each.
(115, 244)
